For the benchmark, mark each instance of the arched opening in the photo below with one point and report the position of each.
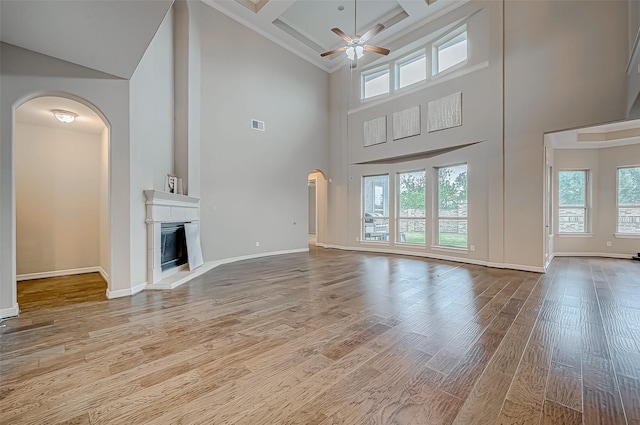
(317, 189)
(61, 200)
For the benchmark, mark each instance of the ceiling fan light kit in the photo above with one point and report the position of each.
(356, 46)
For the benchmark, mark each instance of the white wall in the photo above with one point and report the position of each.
(480, 83)
(57, 199)
(151, 108)
(554, 81)
(23, 75)
(105, 234)
(603, 167)
(253, 183)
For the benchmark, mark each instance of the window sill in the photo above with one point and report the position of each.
(410, 245)
(449, 249)
(627, 235)
(575, 235)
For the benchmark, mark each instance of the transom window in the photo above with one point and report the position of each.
(452, 206)
(411, 207)
(411, 69)
(629, 200)
(375, 208)
(375, 82)
(573, 201)
(450, 51)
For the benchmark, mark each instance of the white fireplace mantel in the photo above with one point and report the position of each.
(165, 207)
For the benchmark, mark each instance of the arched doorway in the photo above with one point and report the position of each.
(317, 189)
(62, 193)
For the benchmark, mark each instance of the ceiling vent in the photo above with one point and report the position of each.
(257, 125)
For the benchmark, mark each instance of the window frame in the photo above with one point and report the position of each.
(438, 217)
(371, 74)
(586, 206)
(406, 60)
(618, 233)
(367, 220)
(435, 49)
(399, 217)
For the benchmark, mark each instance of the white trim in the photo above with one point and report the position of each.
(520, 267)
(373, 101)
(184, 277)
(58, 273)
(593, 254)
(626, 236)
(575, 235)
(9, 312)
(126, 292)
(104, 274)
(445, 248)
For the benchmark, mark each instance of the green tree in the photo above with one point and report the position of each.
(451, 191)
(572, 185)
(629, 186)
(412, 191)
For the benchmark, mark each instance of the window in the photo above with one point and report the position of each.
(411, 211)
(450, 50)
(411, 69)
(629, 200)
(572, 201)
(452, 206)
(375, 208)
(375, 83)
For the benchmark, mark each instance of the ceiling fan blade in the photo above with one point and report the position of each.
(341, 34)
(334, 51)
(376, 49)
(373, 31)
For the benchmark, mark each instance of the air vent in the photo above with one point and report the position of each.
(257, 125)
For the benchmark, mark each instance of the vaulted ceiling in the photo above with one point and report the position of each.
(111, 36)
(105, 35)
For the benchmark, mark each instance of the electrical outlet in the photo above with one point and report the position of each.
(608, 243)
(472, 247)
(257, 243)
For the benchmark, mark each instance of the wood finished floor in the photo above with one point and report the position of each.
(333, 337)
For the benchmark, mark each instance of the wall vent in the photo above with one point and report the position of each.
(257, 125)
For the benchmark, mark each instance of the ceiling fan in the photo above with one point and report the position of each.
(356, 46)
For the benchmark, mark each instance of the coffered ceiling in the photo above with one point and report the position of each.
(304, 26)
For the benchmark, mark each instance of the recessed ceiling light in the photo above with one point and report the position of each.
(64, 116)
(341, 8)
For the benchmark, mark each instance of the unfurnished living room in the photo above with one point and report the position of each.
(418, 212)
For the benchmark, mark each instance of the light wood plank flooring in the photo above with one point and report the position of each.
(334, 337)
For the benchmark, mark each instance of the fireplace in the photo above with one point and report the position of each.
(173, 251)
(167, 213)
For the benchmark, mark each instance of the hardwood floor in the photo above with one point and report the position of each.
(334, 337)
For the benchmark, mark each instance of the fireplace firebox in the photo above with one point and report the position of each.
(173, 246)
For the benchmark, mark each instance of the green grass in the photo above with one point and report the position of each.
(453, 239)
(414, 237)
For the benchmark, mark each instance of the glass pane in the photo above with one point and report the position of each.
(452, 191)
(629, 186)
(452, 233)
(572, 188)
(629, 220)
(376, 229)
(571, 220)
(452, 52)
(376, 196)
(412, 194)
(376, 84)
(411, 231)
(412, 71)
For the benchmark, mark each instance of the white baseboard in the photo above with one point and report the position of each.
(104, 274)
(520, 267)
(126, 292)
(181, 278)
(593, 254)
(58, 273)
(9, 312)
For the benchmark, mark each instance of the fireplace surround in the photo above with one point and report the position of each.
(166, 209)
